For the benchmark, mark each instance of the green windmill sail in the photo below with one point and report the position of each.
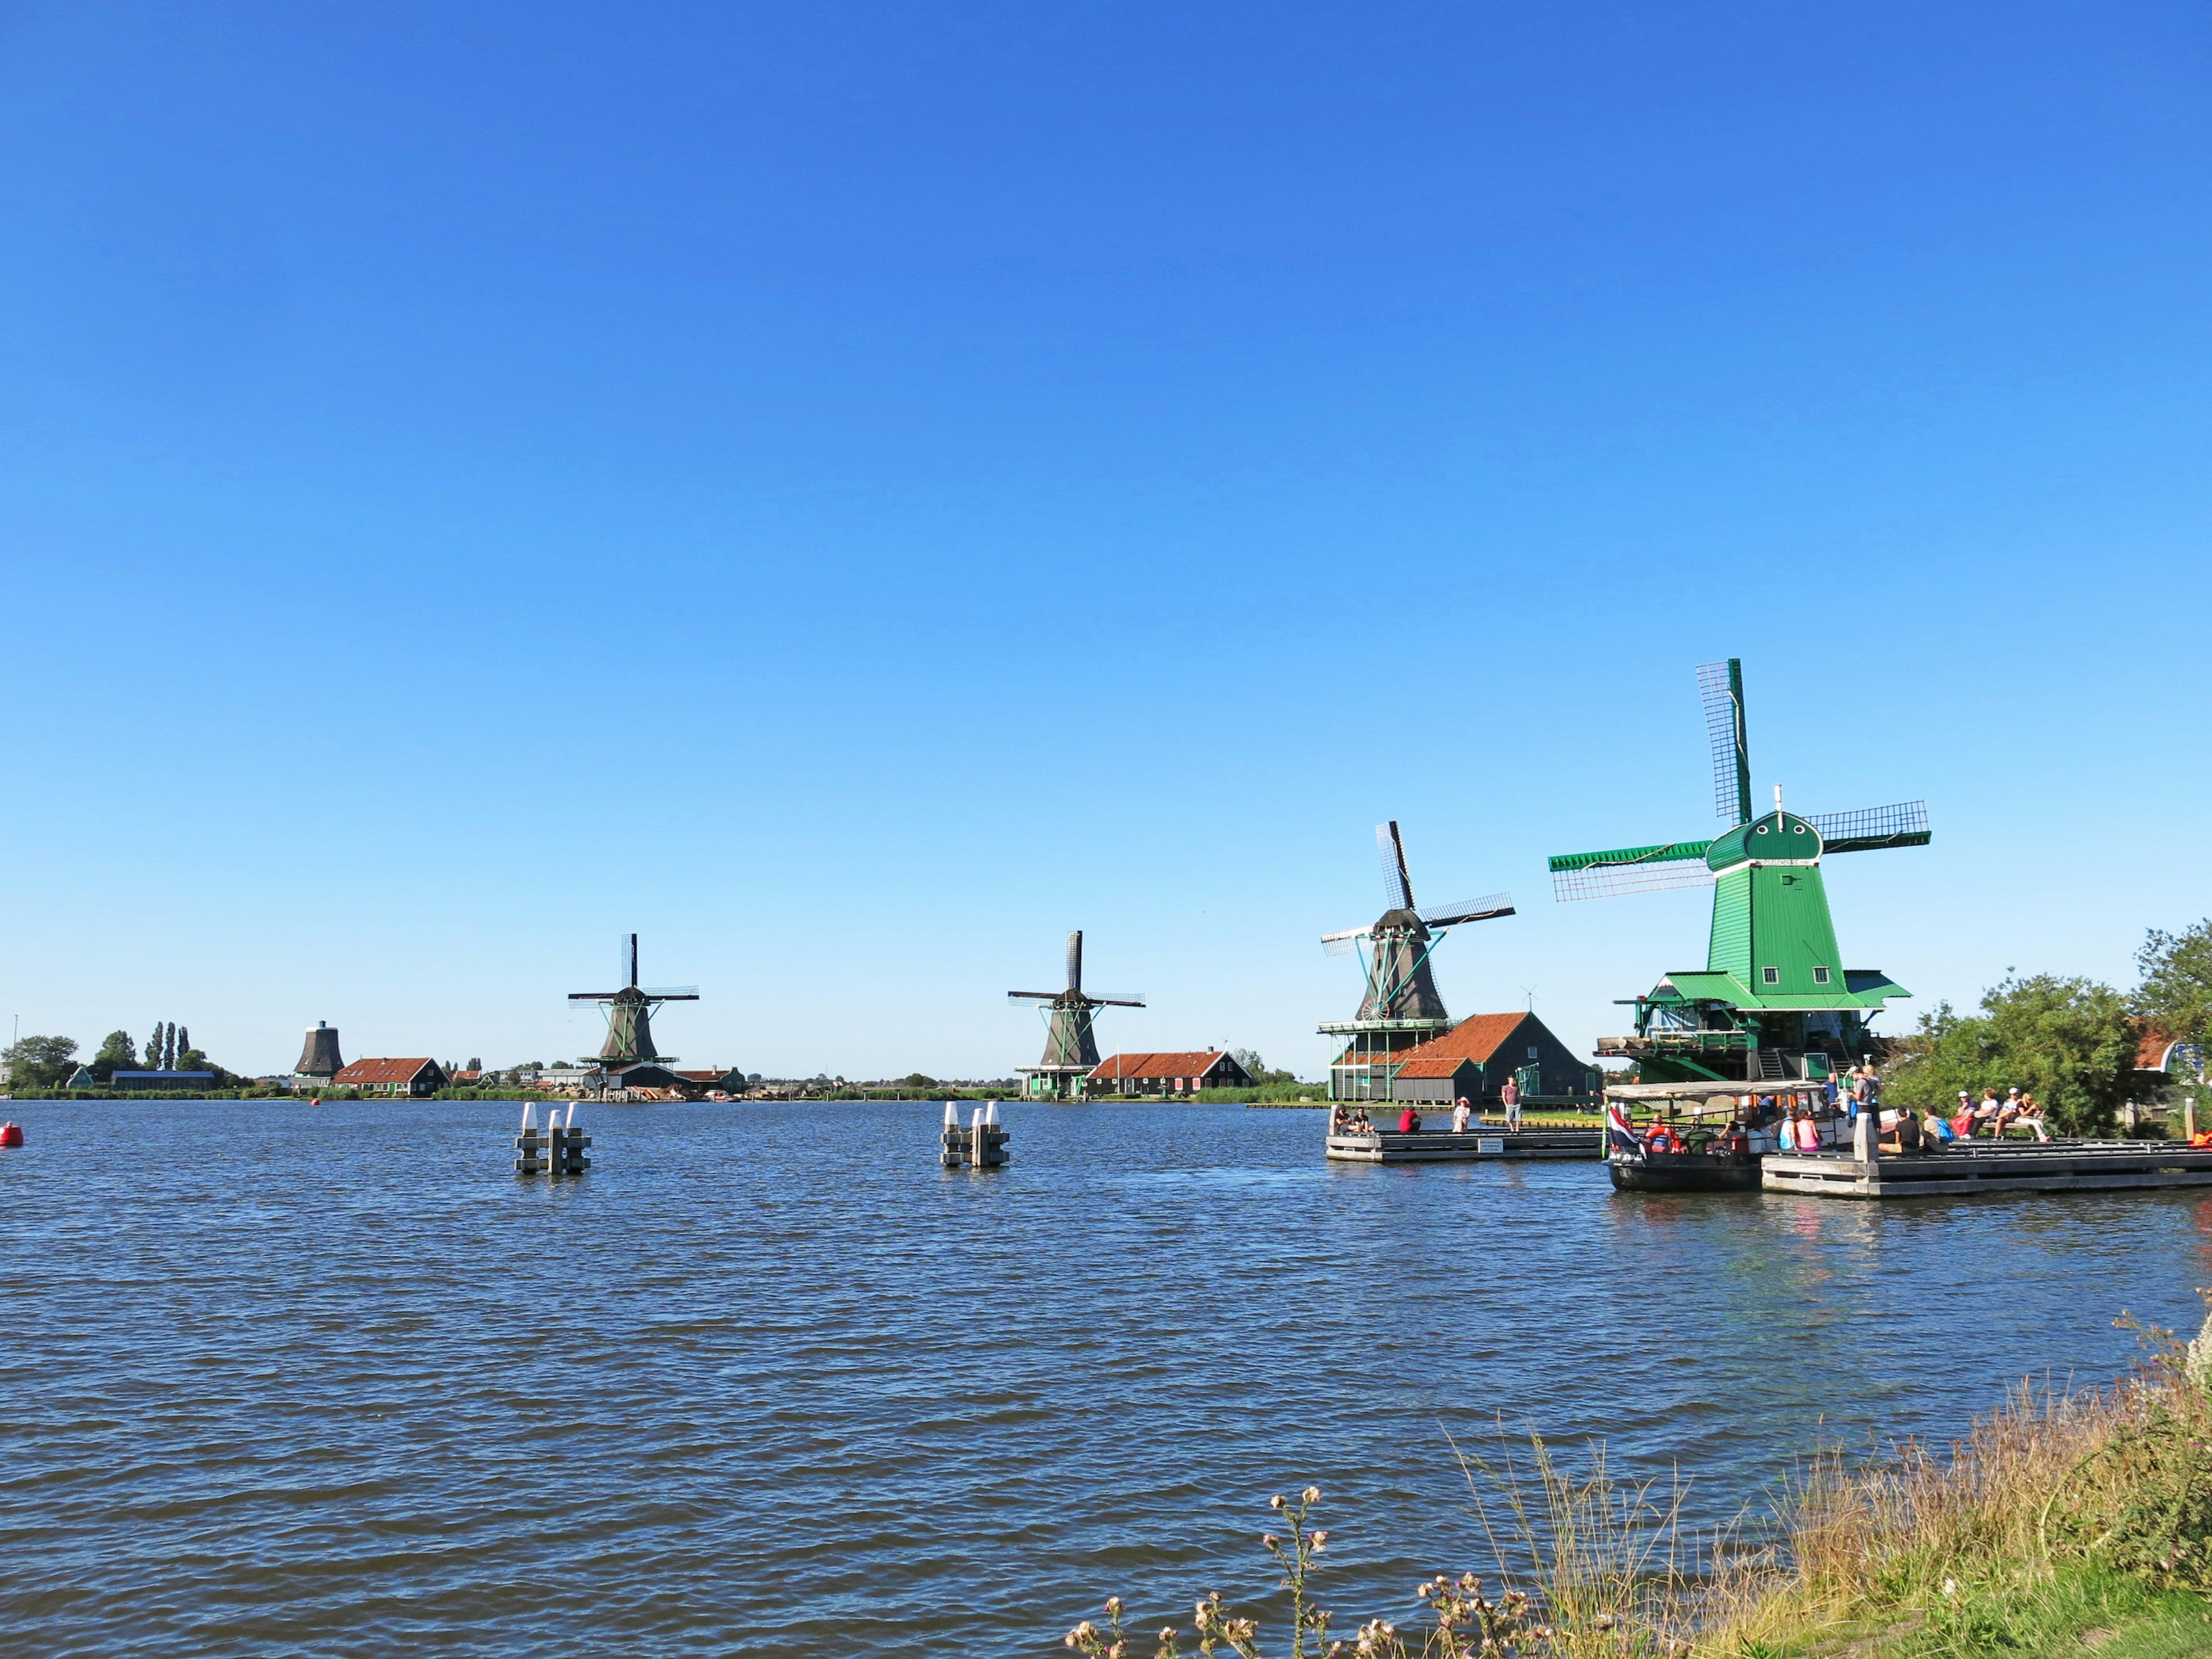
(1773, 999)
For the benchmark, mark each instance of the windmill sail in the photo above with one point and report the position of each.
(1397, 885)
(1481, 909)
(1631, 870)
(1873, 828)
(1720, 687)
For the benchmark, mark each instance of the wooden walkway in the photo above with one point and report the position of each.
(1475, 1146)
(1991, 1167)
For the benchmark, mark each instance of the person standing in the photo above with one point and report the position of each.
(1509, 1098)
(1461, 1112)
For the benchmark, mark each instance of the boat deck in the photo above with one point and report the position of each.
(1991, 1167)
(1483, 1145)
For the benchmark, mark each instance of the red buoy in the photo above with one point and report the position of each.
(11, 1134)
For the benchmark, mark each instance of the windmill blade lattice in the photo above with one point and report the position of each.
(1481, 909)
(1631, 870)
(1397, 886)
(1873, 828)
(1720, 687)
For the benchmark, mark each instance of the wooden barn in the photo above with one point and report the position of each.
(1472, 1059)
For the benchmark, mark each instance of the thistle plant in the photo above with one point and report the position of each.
(1465, 1623)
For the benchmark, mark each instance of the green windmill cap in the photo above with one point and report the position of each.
(1778, 838)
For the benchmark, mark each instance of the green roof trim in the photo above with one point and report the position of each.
(1862, 988)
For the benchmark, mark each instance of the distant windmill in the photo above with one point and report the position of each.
(1071, 1046)
(1401, 1007)
(1774, 999)
(630, 1011)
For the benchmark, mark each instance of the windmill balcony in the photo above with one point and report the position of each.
(1675, 1042)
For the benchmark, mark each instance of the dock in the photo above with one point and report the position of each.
(1485, 1146)
(1991, 1167)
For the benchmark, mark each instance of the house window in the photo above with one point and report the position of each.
(1533, 1052)
(1772, 976)
(1819, 976)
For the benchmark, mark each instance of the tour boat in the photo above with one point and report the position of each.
(1682, 1149)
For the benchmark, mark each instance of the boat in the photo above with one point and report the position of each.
(1684, 1145)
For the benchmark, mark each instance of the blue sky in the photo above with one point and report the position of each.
(852, 492)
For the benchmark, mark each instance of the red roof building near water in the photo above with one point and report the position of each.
(392, 1077)
(1165, 1074)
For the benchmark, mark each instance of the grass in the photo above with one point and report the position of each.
(2065, 1523)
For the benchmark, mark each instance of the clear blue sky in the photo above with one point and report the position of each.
(853, 491)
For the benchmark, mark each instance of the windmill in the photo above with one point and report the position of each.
(1772, 1000)
(629, 1013)
(1071, 1046)
(1401, 1007)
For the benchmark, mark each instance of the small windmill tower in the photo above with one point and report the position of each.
(629, 1013)
(1401, 1007)
(1773, 1000)
(1071, 1045)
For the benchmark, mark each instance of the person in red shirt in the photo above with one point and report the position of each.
(1408, 1121)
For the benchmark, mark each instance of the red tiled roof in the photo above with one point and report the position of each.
(2151, 1048)
(1195, 1062)
(1432, 1065)
(1476, 1038)
(380, 1070)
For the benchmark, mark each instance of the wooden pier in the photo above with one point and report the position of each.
(1474, 1147)
(1991, 1167)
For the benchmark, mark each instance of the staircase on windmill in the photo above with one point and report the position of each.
(630, 1017)
(1774, 1001)
(1401, 1007)
(1070, 1044)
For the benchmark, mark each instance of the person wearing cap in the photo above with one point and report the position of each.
(1962, 1121)
(1461, 1112)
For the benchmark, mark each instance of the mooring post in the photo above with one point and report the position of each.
(568, 1145)
(991, 1140)
(2188, 1117)
(954, 1143)
(1866, 1133)
(528, 1148)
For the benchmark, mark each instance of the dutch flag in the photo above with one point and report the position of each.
(1621, 1133)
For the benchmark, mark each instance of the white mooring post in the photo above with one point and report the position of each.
(955, 1139)
(568, 1145)
(528, 1149)
(1866, 1135)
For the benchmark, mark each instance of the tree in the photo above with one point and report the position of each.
(169, 1047)
(116, 1054)
(474, 1064)
(2175, 997)
(1256, 1068)
(184, 1046)
(2070, 1042)
(153, 1048)
(39, 1062)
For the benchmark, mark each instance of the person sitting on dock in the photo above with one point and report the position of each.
(1900, 1132)
(1461, 1111)
(1937, 1128)
(1985, 1112)
(1962, 1121)
(2030, 1117)
(1409, 1121)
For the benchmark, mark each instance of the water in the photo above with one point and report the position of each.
(276, 1380)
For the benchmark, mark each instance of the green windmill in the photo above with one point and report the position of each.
(1773, 1000)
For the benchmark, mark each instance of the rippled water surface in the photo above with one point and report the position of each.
(287, 1381)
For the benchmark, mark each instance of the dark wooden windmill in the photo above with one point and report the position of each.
(629, 1013)
(1401, 1007)
(1070, 1044)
